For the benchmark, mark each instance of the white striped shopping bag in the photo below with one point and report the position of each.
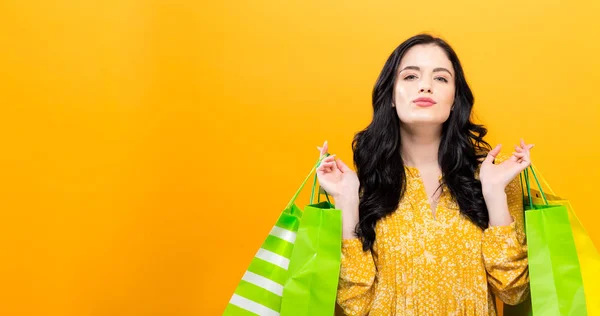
(261, 288)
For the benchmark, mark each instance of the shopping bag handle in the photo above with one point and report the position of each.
(525, 174)
(306, 180)
(543, 180)
(312, 193)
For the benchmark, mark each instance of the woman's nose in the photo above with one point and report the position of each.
(425, 89)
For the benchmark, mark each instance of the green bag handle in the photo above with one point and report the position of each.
(312, 193)
(306, 180)
(525, 174)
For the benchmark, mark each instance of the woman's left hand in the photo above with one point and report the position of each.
(495, 177)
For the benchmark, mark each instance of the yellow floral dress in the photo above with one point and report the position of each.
(442, 265)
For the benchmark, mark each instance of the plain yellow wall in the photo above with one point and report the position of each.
(148, 146)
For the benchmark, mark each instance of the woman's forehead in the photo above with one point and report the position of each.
(425, 56)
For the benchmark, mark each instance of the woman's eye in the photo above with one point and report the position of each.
(442, 79)
(410, 77)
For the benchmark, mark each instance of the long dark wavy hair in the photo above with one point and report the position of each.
(377, 158)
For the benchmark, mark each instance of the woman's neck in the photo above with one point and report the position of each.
(420, 146)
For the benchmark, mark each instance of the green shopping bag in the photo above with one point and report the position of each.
(554, 271)
(284, 267)
(314, 269)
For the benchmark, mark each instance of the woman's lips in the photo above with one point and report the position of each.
(424, 102)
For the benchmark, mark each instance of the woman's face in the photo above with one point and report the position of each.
(424, 89)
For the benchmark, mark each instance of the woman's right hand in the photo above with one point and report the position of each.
(336, 178)
(342, 184)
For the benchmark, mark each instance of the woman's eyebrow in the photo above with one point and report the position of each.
(419, 69)
(410, 67)
(442, 69)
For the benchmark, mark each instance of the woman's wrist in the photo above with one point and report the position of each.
(492, 191)
(497, 205)
(347, 200)
(349, 207)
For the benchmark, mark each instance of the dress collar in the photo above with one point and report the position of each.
(413, 172)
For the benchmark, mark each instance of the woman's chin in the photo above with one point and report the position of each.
(424, 120)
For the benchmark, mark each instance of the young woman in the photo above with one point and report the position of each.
(433, 216)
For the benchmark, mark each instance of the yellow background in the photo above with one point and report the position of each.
(148, 146)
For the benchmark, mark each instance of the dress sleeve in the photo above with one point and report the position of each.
(504, 251)
(357, 278)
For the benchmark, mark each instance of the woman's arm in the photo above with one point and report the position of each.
(357, 279)
(357, 271)
(503, 246)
